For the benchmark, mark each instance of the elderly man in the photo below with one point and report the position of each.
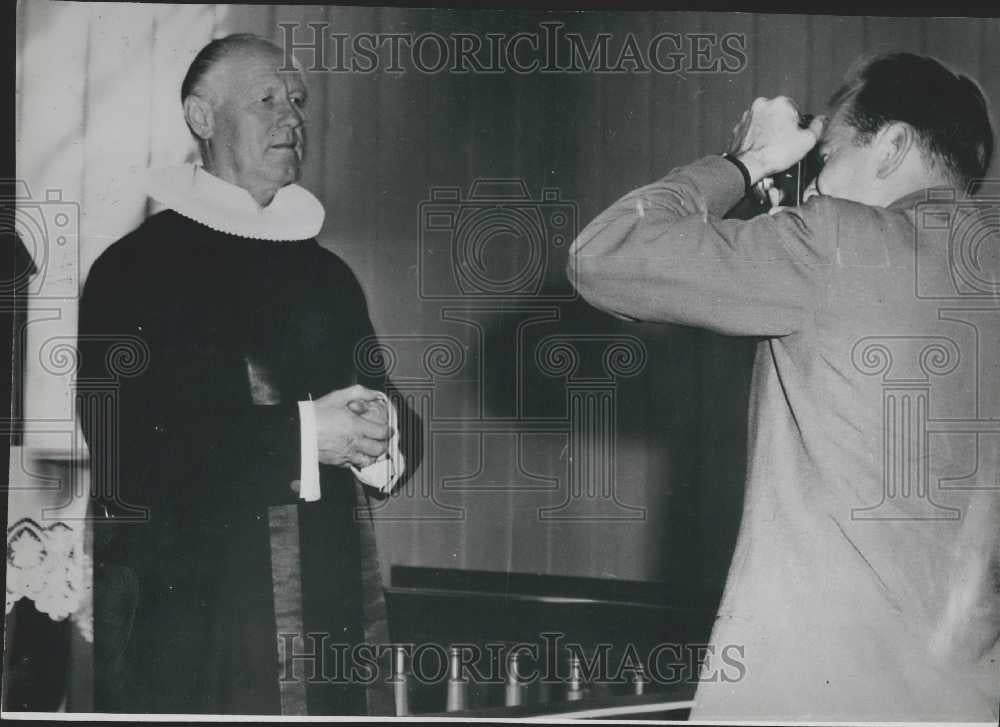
(244, 394)
(864, 582)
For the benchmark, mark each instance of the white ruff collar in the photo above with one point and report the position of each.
(293, 214)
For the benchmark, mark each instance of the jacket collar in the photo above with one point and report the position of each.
(293, 214)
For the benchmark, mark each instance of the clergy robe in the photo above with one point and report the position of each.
(184, 615)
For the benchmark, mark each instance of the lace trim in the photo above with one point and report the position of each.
(48, 566)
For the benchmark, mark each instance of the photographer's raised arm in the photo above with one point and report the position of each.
(663, 253)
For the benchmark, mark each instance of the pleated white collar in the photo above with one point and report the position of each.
(293, 214)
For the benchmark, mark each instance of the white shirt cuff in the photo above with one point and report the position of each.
(309, 489)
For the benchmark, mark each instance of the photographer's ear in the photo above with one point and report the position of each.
(894, 141)
(200, 117)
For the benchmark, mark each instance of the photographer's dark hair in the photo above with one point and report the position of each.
(947, 110)
(214, 52)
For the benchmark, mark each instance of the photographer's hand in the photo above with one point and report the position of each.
(768, 138)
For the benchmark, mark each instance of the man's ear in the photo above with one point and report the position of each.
(199, 114)
(894, 142)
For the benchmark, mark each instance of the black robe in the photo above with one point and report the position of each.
(184, 618)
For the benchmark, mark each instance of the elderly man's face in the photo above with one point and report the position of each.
(258, 121)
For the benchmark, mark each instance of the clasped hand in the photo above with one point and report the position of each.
(352, 427)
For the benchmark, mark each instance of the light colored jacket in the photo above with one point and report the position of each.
(866, 579)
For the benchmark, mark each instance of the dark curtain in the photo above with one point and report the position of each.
(382, 141)
(502, 451)
(557, 440)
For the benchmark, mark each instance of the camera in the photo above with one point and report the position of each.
(496, 243)
(968, 228)
(792, 183)
(49, 229)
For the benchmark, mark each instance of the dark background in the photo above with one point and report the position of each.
(381, 141)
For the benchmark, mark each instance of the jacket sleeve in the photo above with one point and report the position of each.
(663, 253)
